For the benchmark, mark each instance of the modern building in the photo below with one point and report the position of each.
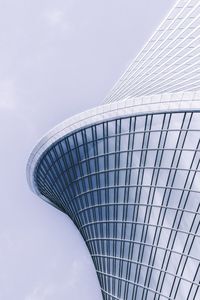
(128, 172)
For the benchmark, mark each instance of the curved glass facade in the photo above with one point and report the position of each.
(132, 187)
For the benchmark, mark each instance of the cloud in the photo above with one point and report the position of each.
(7, 94)
(56, 18)
(65, 285)
(38, 293)
(47, 291)
(42, 293)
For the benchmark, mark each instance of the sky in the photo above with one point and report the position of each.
(57, 58)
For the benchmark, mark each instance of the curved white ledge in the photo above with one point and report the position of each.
(127, 107)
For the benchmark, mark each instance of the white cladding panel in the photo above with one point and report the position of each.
(170, 61)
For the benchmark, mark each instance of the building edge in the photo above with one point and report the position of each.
(168, 102)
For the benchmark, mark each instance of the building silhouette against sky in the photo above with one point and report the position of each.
(127, 173)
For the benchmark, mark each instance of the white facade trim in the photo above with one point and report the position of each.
(130, 106)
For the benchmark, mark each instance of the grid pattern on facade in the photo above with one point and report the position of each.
(132, 187)
(170, 61)
(145, 104)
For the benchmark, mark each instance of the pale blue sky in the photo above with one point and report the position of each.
(57, 58)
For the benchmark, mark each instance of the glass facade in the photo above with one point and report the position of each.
(131, 185)
(170, 61)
